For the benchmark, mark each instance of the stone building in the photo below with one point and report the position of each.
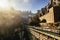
(51, 12)
(55, 2)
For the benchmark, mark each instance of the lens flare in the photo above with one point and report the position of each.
(4, 3)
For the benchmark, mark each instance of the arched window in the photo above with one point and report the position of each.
(44, 21)
(54, 3)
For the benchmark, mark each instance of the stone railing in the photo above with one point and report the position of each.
(40, 34)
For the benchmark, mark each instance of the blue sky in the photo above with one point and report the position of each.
(32, 5)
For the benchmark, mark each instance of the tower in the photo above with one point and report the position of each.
(55, 3)
(56, 7)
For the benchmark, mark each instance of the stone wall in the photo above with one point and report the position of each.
(49, 16)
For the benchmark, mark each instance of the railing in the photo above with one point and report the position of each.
(37, 32)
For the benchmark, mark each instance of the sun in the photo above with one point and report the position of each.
(4, 3)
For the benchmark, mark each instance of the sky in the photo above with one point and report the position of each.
(29, 5)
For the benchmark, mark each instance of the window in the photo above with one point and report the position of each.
(54, 3)
(48, 10)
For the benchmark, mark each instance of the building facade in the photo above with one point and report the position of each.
(51, 12)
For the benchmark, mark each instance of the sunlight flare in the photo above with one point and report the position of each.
(4, 3)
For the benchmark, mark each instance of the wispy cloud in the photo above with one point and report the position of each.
(32, 5)
(26, 1)
(22, 4)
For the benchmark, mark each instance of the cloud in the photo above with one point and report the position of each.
(26, 1)
(22, 4)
